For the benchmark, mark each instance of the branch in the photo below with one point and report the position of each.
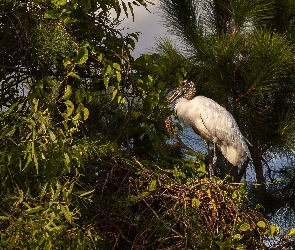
(251, 88)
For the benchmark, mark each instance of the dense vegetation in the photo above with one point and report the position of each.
(85, 162)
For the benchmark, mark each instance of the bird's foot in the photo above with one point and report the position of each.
(211, 172)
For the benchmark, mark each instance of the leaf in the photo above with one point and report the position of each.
(244, 227)
(261, 224)
(147, 109)
(196, 203)
(82, 55)
(76, 117)
(153, 185)
(106, 81)
(34, 209)
(67, 63)
(66, 212)
(118, 76)
(131, 42)
(114, 94)
(52, 136)
(144, 194)
(51, 14)
(68, 93)
(67, 159)
(125, 8)
(86, 6)
(74, 75)
(117, 66)
(273, 230)
(241, 247)
(70, 107)
(86, 193)
(291, 232)
(11, 108)
(86, 113)
(59, 3)
(78, 96)
(8, 132)
(237, 237)
(99, 58)
(106, 77)
(131, 10)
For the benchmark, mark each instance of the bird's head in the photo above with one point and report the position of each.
(186, 89)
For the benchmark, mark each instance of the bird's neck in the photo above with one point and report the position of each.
(182, 109)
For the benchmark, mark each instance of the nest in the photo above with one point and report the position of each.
(140, 206)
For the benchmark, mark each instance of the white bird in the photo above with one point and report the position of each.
(212, 122)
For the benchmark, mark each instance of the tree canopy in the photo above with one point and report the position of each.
(85, 160)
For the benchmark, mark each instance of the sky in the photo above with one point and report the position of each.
(150, 24)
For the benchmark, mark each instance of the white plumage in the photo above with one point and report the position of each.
(211, 121)
(214, 124)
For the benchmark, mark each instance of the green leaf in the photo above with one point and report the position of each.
(67, 63)
(68, 93)
(52, 136)
(244, 227)
(67, 159)
(86, 114)
(76, 117)
(117, 66)
(237, 237)
(11, 108)
(51, 14)
(261, 224)
(34, 209)
(196, 203)
(70, 107)
(59, 3)
(82, 55)
(153, 185)
(74, 75)
(125, 8)
(78, 96)
(86, 193)
(106, 81)
(99, 58)
(147, 109)
(273, 230)
(8, 132)
(131, 9)
(144, 194)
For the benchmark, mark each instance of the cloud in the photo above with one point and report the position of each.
(148, 23)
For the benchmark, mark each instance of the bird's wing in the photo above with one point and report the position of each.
(222, 127)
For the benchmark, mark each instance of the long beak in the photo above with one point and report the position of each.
(176, 93)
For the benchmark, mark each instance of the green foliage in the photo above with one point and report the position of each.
(174, 208)
(84, 160)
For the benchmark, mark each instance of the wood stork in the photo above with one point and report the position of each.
(212, 122)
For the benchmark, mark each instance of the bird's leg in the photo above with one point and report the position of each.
(214, 157)
(211, 171)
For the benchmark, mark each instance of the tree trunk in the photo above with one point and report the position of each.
(257, 161)
(243, 169)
